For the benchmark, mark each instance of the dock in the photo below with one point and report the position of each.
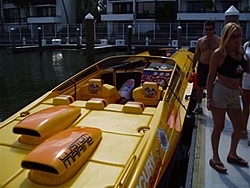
(200, 174)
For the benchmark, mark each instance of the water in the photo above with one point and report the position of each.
(26, 76)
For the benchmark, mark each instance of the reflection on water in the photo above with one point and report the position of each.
(57, 59)
(26, 76)
(57, 56)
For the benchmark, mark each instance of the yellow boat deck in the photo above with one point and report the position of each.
(114, 137)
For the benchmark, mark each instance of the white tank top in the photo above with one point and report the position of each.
(247, 51)
(247, 55)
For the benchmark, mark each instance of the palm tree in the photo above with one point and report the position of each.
(65, 11)
(95, 7)
(1, 16)
(209, 4)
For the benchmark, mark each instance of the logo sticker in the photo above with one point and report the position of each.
(163, 139)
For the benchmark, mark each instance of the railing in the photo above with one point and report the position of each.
(39, 2)
(142, 33)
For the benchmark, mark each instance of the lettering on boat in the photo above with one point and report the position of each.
(163, 139)
(149, 174)
(155, 174)
(76, 149)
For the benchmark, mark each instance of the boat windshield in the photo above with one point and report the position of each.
(124, 62)
(131, 62)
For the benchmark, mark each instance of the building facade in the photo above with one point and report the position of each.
(38, 12)
(154, 20)
(142, 14)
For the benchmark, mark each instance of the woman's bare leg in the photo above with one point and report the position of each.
(235, 117)
(219, 121)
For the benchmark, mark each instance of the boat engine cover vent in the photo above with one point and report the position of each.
(37, 127)
(59, 158)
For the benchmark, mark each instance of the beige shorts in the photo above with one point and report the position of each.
(226, 98)
(246, 81)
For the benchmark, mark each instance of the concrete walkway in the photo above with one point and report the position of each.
(205, 176)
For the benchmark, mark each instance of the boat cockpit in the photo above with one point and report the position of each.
(124, 78)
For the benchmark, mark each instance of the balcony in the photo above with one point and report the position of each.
(43, 20)
(209, 16)
(117, 17)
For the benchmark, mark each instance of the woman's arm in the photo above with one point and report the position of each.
(214, 64)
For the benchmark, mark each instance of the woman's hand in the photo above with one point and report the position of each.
(210, 104)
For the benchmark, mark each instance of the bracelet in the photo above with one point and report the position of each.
(209, 100)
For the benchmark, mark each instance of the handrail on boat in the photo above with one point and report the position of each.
(126, 172)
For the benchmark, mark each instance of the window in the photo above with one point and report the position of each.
(123, 8)
(196, 6)
(11, 15)
(8, 1)
(146, 10)
(46, 11)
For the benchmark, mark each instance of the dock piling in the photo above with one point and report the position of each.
(12, 35)
(129, 39)
(90, 53)
(232, 15)
(39, 39)
(78, 37)
(179, 36)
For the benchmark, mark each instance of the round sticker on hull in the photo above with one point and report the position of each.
(163, 139)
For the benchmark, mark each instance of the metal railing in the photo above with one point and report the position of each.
(162, 34)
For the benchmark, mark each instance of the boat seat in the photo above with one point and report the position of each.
(63, 100)
(95, 88)
(133, 107)
(96, 104)
(149, 93)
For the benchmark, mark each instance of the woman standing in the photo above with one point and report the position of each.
(225, 71)
(246, 90)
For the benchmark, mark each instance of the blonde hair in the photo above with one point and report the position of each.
(226, 34)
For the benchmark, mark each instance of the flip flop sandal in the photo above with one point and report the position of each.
(219, 167)
(239, 161)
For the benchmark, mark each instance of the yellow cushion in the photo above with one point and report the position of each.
(149, 90)
(96, 89)
(96, 104)
(149, 93)
(63, 100)
(95, 86)
(133, 107)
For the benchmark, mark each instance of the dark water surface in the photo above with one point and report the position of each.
(26, 76)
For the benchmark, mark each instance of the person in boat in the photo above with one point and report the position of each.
(227, 66)
(205, 46)
(246, 90)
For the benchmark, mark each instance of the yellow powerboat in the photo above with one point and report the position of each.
(116, 123)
